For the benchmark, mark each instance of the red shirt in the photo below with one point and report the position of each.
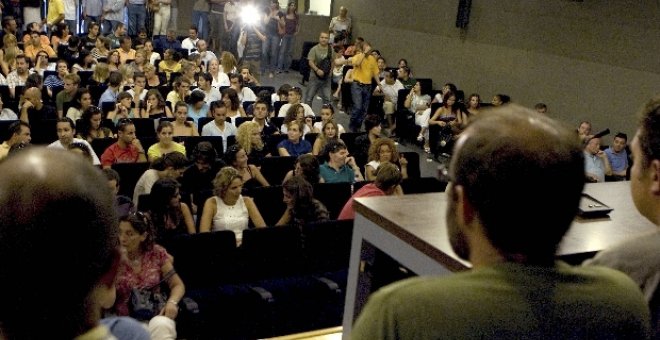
(115, 154)
(369, 190)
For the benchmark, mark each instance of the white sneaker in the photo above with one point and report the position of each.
(420, 138)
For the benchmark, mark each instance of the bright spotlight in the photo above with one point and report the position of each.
(249, 15)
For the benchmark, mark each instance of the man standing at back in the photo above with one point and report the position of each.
(639, 256)
(320, 61)
(365, 70)
(508, 168)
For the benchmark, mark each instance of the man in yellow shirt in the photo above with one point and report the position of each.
(365, 70)
(55, 13)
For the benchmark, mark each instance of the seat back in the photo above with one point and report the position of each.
(272, 252)
(269, 202)
(333, 196)
(205, 259)
(349, 140)
(129, 174)
(201, 122)
(413, 164)
(144, 127)
(190, 142)
(275, 168)
(328, 245)
(43, 131)
(421, 185)
(100, 144)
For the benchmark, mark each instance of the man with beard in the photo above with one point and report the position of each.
(504, 217)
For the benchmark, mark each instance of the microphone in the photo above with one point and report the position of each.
(602, 133)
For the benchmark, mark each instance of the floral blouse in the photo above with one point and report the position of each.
(151, 273)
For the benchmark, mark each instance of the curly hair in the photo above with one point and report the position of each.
(223, 180)
(244, 136)
(292, 113)
(374, 149)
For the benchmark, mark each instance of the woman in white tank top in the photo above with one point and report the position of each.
(228, 209)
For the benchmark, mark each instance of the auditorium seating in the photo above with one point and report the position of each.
(280, 280)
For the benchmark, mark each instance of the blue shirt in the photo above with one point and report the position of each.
(296, 150)
(330, 175)
(618, 161)
(594, 165)
(196, 115)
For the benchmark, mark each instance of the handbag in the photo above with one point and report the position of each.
(145, 303)
(325, 65)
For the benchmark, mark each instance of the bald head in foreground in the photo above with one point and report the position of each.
(59, 250)
(507, 170)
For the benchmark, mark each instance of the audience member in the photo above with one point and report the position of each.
(18, 132)
(38, 197)
(90, 127)
(365, 71)
(144, 264)
(339, 166)
(171, 165)
(236, 157)
(387, 181)
(170, 216)
(127, 149)
(617, 155)
(381, 151)
(294, 145)
(123, 204)
(248, 136)
(34, 110)
(198, 177)
(166, 143)
(301, 206)
(514, 274)
(219, 126)
(307, 166)
(320, 59)
(295, 94)
(66, 129)
(228, 209)
(389, 89)
(596, 164)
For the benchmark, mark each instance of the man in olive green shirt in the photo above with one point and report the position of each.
(507, 169)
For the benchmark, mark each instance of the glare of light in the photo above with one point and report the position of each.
(249, 15)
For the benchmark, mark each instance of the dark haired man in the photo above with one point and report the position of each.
(618, 156)
(19, 132)
(516, 288)
(127, 148)
(320, 59)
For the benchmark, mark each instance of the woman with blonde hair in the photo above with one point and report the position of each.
(140, 60)
(100, 75)
(228, 62)
(153, 78)
(228, 209)
(248, 136)
(8, 53)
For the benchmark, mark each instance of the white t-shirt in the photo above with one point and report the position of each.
(58, 145)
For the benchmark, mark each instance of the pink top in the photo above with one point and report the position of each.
(151, 273)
